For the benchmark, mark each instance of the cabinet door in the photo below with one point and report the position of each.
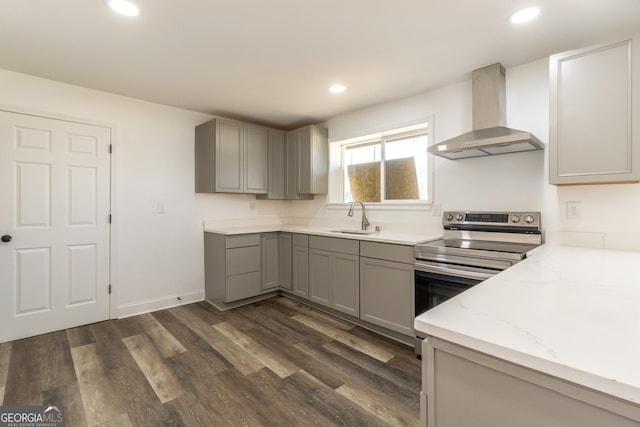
(387, 294)
(592, 116)
(270, 273)
(276, 184)
(256, 158)
(229, 163)
(291, 171)
(345, 283)
(285, 248)
(300, 271)
(320, 276)
(304, 166)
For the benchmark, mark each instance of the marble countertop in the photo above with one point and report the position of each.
(573, 313)
(383, 236)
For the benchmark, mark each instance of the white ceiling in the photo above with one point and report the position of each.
(271, 61)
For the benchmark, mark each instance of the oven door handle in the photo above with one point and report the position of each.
(450, 271)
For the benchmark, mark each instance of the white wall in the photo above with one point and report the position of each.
(158, 257)
(505, 182)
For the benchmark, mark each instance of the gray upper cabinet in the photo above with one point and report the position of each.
(231, 157)
(307, 162)
(594, 110)
(277, 166)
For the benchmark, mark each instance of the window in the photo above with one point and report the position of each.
(393, 168)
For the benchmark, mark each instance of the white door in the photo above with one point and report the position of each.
(55, 205)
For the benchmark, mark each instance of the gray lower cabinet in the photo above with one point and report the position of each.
(285, 248)
(497, 393)
(387, 286)
(300, 265)
(232, 267)
(270, 262)
(334, 273)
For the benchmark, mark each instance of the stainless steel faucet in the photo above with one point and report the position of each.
(365, 221)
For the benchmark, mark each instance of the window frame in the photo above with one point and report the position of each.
(421, 128)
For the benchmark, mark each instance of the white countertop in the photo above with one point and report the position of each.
(573, 313)
(383, 236)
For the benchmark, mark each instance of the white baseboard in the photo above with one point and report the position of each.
(128, 310)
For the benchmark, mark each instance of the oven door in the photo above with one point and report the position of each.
(437, 282)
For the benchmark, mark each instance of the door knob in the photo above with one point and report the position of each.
(6, 238)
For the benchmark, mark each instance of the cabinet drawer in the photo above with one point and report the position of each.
(301, 240)
(387, 251)
(242, 260)
(242, 240)
(345, 246)
(242, 286)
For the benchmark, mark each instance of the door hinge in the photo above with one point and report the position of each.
(109, 218)
(109, 289)
(110, 148)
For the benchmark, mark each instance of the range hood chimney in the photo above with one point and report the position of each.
(489, 135)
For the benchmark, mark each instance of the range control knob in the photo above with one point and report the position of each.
(529, 219)
(459, 217)
(449, 217)
(515, 218)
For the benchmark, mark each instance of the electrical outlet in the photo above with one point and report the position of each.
(574, 210)
(436, 209)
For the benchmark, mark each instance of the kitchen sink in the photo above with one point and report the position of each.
(352, 231)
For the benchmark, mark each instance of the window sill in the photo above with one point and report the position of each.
(425, 206)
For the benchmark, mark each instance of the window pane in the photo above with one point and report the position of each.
(406, 174)
(362, 173)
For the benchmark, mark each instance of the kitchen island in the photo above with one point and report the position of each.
(553, 340)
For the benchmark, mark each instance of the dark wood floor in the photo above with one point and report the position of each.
(272, 363)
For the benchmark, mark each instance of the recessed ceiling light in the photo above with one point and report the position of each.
(337, 88)
(124, 7)
(524, 15)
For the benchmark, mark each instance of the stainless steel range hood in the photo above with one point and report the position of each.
(489, 135)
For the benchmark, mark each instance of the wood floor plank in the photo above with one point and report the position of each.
(316, 314)
(126, 377)
(379, 405)
(151, 363)
(120, 420)
(5, 355)
(69, 398)
(272, 363)
(346, 338)
(200, 357)
(280, 365)
(286, 411)
(37, 364)
(166, 343)
(325, 374)
(231, 351)
(192, 412)
(94, 385)
(411, 381)
(359, 377)
(328, 407)
(80, 336)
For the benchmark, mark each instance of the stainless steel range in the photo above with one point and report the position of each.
(475, 246)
